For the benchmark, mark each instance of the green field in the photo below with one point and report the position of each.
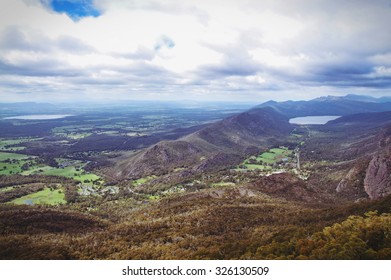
(69, 129)
(10, 142)
(154, 197)
(74, 136)
(11, 163)
(12, 149)
(46, 196)
(296, 135)
(264, 161)
(267, 158)
(36, 169)
(71, 172)
(6, 189)
(77, 136)
(10, 168)
(280, 151)
(11, 156)
(274, 155)
(223, 184)
(143, 180)
(109, 132)
(179, 169)
(258, 167)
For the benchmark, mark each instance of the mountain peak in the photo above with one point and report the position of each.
(221, 144)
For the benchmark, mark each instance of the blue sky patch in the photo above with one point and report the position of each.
(75, 9)
(164, 41)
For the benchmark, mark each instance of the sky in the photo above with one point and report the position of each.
(204, 50)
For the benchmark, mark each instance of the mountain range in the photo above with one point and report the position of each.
(355, 144)
(248, 186)
(331, 105)
(223, 143)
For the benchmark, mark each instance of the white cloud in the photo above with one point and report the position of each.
(196, 49)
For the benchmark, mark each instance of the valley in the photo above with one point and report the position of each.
(202, 182)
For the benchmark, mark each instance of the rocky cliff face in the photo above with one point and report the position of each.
(377, 182)
(351, 185)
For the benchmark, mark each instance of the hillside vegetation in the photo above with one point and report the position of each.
(249, 186)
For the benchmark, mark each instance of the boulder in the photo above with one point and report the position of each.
(377, 182)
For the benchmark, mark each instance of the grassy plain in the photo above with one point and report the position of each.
(223, 184)
(265, 160)
(12, 156)
(11, 144)
(71, 172)
(6, 189)
(143, 180)
(46, 196)
(11, 163)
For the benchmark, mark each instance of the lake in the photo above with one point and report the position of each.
(313, 119)
(37, 117)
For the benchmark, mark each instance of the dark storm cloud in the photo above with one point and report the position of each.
(344, 71)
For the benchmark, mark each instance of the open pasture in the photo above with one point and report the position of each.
(46, 197)
(266, 160)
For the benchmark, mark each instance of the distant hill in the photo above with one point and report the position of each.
(243, 130)
(227, 142)
(11, 109)
(331, 105)
(216, 146)
(366, 98)
(358, 149)
(376, 119)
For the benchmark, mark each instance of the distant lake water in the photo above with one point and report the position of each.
(37, 117)
(313, 119)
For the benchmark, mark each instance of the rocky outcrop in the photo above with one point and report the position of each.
(344, 183)
(377, 182)
(351, 185)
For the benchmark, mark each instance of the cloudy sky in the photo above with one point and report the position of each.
(230, 50)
